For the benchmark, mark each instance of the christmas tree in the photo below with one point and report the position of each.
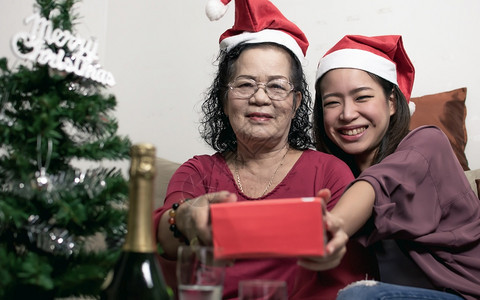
(53, 113)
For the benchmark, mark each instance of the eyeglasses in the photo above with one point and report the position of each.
(276, 89)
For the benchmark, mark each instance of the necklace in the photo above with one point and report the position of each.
(239, 182)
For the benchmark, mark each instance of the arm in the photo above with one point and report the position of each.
(192, 220)
(355, 206)
(401, 179)
(190, 181)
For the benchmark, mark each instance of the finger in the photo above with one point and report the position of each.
(192, 218)
(201, 213)
(333, 224)
(221, 197)
(319, 264)
(200, 219)
(206, 199)
(337, 237)
(325, 194)
(337, 243)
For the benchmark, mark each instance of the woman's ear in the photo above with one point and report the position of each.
(225, 107)
(297, 100)
(392, 103)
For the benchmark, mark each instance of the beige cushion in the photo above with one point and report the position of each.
(471, 176)
(165, 169)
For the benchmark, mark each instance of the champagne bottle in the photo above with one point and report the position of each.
(137, 274)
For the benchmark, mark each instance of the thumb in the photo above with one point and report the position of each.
(325, 194)
(222, 197)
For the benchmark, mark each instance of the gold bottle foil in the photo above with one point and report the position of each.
(140, 234)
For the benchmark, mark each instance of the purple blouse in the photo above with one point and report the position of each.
(425, 203)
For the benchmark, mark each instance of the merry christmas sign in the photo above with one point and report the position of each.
(80, 58)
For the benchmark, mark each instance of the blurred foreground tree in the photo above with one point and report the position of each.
(53, 112)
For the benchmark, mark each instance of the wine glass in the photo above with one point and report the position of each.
(200, 276)
(260, 289)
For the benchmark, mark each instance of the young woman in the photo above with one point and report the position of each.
(410, 199)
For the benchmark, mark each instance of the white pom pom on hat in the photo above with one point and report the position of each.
(411, 107)
(216, 9)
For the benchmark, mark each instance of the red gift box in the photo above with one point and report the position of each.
(268, 228)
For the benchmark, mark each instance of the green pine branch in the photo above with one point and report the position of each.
(49, 209)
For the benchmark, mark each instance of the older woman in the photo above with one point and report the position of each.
(256, 117)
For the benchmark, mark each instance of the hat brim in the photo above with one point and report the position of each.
(264, 36)
(358, 59)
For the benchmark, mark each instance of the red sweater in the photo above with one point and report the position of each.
(313, 171)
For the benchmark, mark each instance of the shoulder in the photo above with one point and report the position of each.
(325, 163)
(428, 135)
(203, 162)
(321, 157)
(206, 158)
(327, 171)
(428, 142)
(315, 157)
(425, 150)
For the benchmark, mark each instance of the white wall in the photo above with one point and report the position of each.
(161, 53)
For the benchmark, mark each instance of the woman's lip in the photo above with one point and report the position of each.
(259, 115)
(352, 131)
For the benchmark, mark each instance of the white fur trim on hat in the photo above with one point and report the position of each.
(266, 35)
(215, 9)
(411, 107)
(358, 59)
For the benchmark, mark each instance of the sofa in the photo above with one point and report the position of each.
(166, 168)
(164, 171)
(446, 110)
(473, 177)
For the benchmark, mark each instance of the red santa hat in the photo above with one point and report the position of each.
(258, 21)
(381, 55)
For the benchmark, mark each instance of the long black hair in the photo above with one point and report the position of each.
(397, 129)
(215, 127)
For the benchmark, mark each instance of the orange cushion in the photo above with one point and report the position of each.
(447, 111)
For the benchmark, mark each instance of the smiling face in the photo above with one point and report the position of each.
(356, 112)
(260, 119)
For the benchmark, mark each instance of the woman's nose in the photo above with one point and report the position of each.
(260, 97)
(349, 112)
